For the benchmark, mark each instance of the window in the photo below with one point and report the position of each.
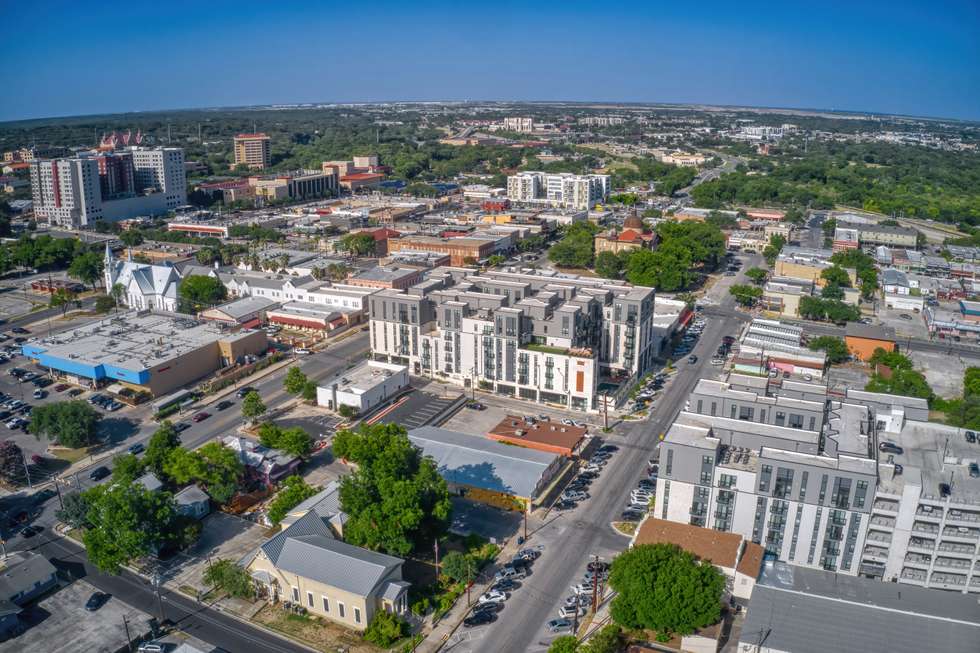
(823, 489)
(795, 421)
(326, 604)
(699, 406)
(806, 476)
(764, 477)
(860, 494)
(296, 595)
(309, 599)
(813, 422)
(340, 609)
(670, 462)
(357, 615)
(734, 408)
(714, 407)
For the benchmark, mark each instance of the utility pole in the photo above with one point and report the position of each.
(156, 585)
(57, 487)
(435, 546)
(605, 412)
(27, 471)
(525, 523)
(595, 585)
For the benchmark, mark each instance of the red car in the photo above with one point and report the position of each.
(61, 387)
(200, 417)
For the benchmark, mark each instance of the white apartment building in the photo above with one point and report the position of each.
(538, 337)
(519, 124)
(561, 190)
(77, 191)
(858, 483)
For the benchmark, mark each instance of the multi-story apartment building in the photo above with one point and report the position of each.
(77, 191)
(859, 483)
(561, 190)
(519, 124)
(543, 338)
(253, 150)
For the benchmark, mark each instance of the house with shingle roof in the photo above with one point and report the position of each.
(308, 565)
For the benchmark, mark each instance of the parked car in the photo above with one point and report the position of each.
(302, 351)
(201, 416)
(30, 531)
(529, 554)
(244, 391)
(74, 392)
(40, 394)
(113, 406)
(692, 359)
(475, 405)
(492, 596)
(137, 448)
(222, 405)
(890, 447)
(479, 618)
(61, 387)
(509, 572)
(96, 601)
(20, 330)
(569, 611)
(631, 515)
(582, 588)
(505, 585)
(974, 470)
(99, 473)
(905, 316)
(971, 436)
(574, 495)
(577, 599)
(598, 565)
(559, 626)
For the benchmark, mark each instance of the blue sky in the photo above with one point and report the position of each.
(73, 58)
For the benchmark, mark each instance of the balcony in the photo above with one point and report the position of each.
(963, 518)
(947, 580)
(917, 560)
(880, 536)
(960, 550)
(921, 544)
(913, 576)
(929, 514)
(953, 563)
(961, 534)
(922, 527)
(875, 552)
(883, 522)
(881, 505)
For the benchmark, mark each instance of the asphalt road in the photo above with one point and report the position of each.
(193, 618)
(570, 539)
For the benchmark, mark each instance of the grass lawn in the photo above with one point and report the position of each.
(70, 456)
(625, 527)
(315, 632)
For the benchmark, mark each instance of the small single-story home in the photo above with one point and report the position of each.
(267, 465)
(194, 502)
(25, 576)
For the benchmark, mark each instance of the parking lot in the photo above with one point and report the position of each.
(418, 408)
(60, 624)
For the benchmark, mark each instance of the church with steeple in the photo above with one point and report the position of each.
(144, 286)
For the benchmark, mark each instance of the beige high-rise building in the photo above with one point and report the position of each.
(253, 150)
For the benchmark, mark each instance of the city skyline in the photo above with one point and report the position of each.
(861, 57)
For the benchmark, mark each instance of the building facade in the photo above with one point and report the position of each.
(253, 150)
(77, 191)
(559, 190)
(536, 337)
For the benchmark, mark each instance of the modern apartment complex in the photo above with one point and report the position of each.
(253, 150)
(519, 124)
(561, 190)
(539, 337)
(858, 483)
(79, 190)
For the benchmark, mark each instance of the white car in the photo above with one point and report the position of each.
(301, 351)
(573, 495)
(493, 596)
(582, 589)
(568, 611)
(577, 599)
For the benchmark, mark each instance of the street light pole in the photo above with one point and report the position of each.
(27, 471)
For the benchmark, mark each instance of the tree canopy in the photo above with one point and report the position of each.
(71, 424)
(835, 348)
(745, 295)
(293, 492)
(87, 268)
(252, 406)
(661, 587)
(199, 292)
(395, 500)
(576, 248)
(293, 440)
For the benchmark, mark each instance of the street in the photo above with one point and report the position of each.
(569, 539)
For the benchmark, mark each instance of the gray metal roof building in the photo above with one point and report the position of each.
(478, 462)
(811, 611)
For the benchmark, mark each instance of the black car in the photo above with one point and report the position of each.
(18, 329)
(181, 426)
(692, 359)
(475, 405)
(222, 405)
(74, 392)
(971, 436)
(631, 515)
(96, 601)
(489, 606)
(244, 391)
(30, 531)
(505, 585)
(974, 470)
(890, 447)
(598, 565)
(99, 473)
(944, 490)
(564, 505)
(479, 618)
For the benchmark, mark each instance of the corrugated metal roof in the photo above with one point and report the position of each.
(336, 563)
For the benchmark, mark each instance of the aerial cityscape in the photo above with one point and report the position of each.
(325, 329)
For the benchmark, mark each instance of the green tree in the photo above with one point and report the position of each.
(607, 640)
(385, 629)
(837, 276)
(661, 587)
(669, 268)
(772, 250)
(87, 268)
(835, 348)
(358, 244)
(198, 292)
(252, 406)
(127, 522)
(294, 491)
(131, 238)
(576, 248)
(459, 567)
(495, 260)
(745, 295)
(64, 299)
(75, 510)
(308, 393)
(117, 292)
(127, 468)
(564, 644)
(293, 440)
(163, 441)
(223, 471)
(757, 275)
(609, 265)
(229, 577)
(395, 500)
(295, 380)
(104, 303)
(71, 424)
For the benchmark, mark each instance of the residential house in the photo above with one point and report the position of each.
(305, 564)
(24, 577)
(262, 463)
(194, 502)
